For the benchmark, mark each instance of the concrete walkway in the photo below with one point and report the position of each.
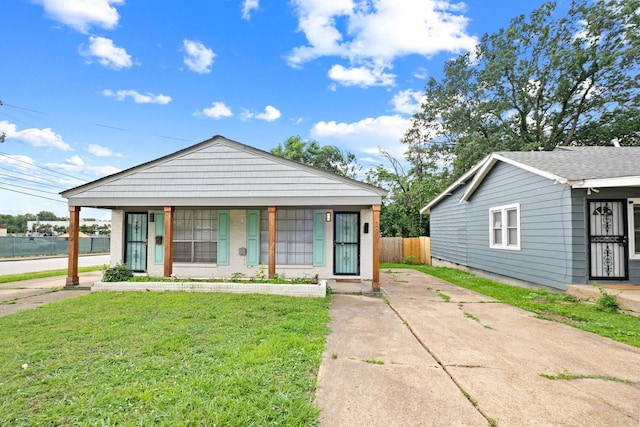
(26, 294)
(421, 360)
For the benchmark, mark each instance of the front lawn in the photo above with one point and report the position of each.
(548, 305)
(170, 359)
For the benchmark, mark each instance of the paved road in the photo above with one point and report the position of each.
(31, 265)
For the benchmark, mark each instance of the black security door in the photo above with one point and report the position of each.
(608, 240)
(135, 251)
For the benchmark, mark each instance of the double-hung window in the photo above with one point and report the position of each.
(634, 228)
(294, 236)
(195, 236)
(504, 227)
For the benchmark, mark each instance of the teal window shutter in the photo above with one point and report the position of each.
(158, 254)
(318, 238)
(223, 238)
(253, 237)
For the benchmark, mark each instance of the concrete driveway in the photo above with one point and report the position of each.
(422, 361)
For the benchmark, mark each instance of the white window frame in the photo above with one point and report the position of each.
(631, 228)
(503, 210)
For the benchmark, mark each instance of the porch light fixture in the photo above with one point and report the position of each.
(327, 216)
(152, 217)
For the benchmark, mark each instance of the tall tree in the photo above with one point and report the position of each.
(327, 157)
(409, 190)
(540, 83)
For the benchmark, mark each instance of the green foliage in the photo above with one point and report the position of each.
(167, 359)
(117, 273)
(409, 191)
(327, 157)
(409, 259)
(607, 302)
(18, 223)
(544, 81)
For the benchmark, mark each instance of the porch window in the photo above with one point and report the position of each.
(504, 227)
(634, 228)
(294, 236)
(195, 236)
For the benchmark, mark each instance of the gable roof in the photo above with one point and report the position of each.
(578, 167)
(222, 172)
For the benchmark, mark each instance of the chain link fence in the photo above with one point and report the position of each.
(15, 247)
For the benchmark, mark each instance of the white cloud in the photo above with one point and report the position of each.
(75, 160)
(82, 14)
(270, 114)
(372, 34)
(248, 6)
(365, 136)
(77, 165)
(18, 161)
(100, 151)
(108, 54)
(360, 76)
(138, 98)
(407, 101)
(35, 137)
(216, 111)
(199, 57)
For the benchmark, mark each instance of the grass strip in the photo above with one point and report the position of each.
(173, 358)
(556, 306)
(48, 273)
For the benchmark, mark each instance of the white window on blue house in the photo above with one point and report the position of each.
(634, 228)
(195, 238)
(504, 227)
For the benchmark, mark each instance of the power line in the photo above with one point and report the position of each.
(33, 176)
(30, 181)
(43, 168)
(32, 195)
(28, 188)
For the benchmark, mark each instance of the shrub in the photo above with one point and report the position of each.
(607, 302)
(117, 273)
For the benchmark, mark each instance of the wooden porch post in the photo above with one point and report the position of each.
(74, 229)
(375, 282)
(272, 242)
(168, 240)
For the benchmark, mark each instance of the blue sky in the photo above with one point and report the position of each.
(92, 87)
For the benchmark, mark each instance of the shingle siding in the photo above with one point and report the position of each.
(227, 172)
(545, 256)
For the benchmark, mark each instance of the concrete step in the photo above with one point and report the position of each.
(628, 296)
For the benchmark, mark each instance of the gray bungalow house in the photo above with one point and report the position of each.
(221, 208)
(568, 216)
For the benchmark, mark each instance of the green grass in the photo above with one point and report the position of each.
(548, 305)
(568, 376)
(48, 273)
(170, 359)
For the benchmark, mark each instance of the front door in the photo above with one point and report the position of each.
(135, 252)
(346, 243)
(607, 240)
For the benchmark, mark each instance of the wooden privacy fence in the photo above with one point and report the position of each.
(414, 250)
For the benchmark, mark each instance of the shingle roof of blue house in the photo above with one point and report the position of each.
(578, 167)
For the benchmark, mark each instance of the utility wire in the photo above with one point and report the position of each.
(43, 168)
(33, 195)
(28, 188)
(31, 180)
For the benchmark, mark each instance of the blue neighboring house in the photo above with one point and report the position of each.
(552, 218)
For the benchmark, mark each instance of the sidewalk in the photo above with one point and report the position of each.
(421, 360)
(26, 294)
